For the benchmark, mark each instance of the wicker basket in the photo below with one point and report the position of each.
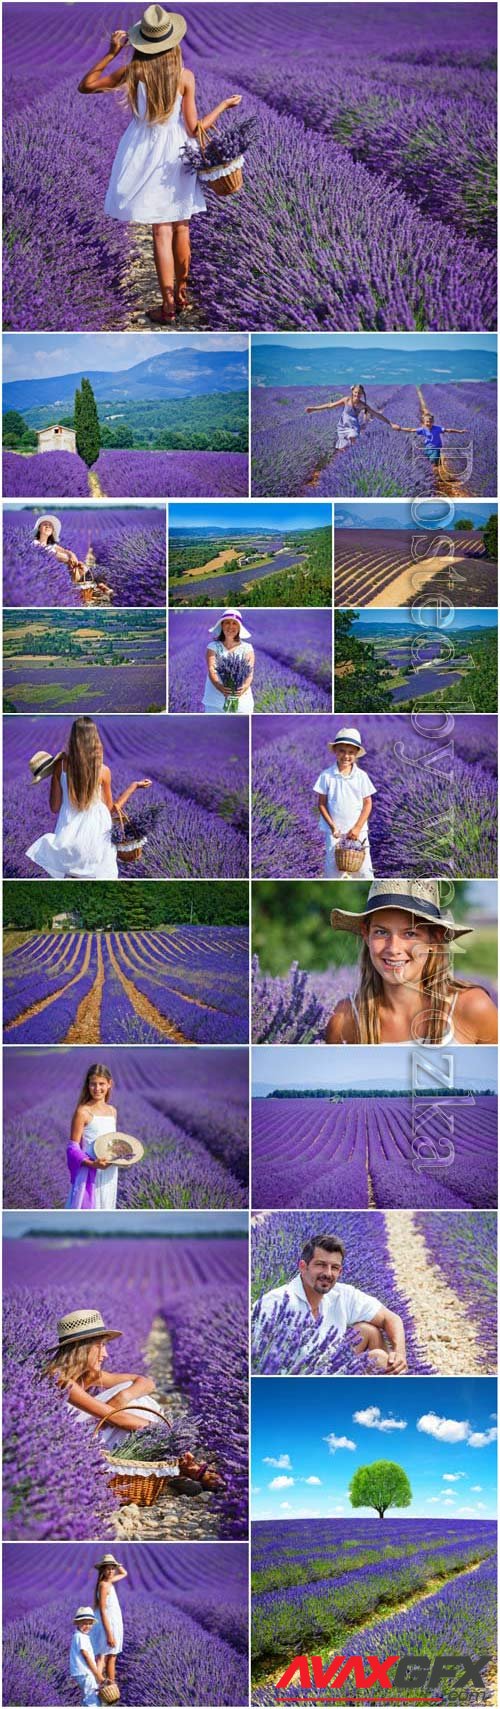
(349, 858)
(128, 1484)
(109, 1693)
(131, 847)
(225, 180)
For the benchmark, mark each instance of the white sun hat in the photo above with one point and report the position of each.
(54, 521)
(236, 615)
(351, 736)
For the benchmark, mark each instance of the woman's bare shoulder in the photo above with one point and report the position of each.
(341, 1028)
(188, 80)
(105, 773)
(476, 1009)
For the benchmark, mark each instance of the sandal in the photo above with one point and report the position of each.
(164, 314)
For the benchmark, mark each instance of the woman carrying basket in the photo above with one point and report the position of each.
(80, 793)
(150, 183)
(345, 803)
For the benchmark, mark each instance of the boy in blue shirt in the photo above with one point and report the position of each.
(431, 433)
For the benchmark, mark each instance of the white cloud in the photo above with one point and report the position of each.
(476, 1489)
(282, 1461)
(281, 1483)
(335, 1442)
(452, 1477)
(444, 1429)
(285, 1507)
(311, 1480)
(472, 1510)
(482, 1438)
(371, 1418)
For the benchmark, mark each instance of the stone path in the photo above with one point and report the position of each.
(174, 1517)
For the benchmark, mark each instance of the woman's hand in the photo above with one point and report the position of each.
(144, 783)
(118, 40)
(231, 101)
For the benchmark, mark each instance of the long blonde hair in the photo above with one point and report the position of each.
(161, 75)
(70, 1364)
(84, 762)
(436, 982)
(103, 1573)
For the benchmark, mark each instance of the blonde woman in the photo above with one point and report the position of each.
(150, 184)
(107, 1637)
(356, 412)
(75, 1364)
(81, 795)
(408, 992)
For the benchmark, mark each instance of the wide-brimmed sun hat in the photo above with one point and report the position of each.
(236, 616)
(133, 1149)
(85, 1614)
(418, 896)
(42, 764)
(107, 1561)
(80, 1326)
(351, 736)
(55, 524)
(157, 30)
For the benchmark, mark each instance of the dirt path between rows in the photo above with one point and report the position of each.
(441, 1323)
(144, 1008)
(141, 291)
(447, 484)
(174, 1516)
(95, 488)
(85, 1029)
(44, 1002)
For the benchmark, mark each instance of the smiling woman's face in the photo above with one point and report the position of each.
(398, 944)
(230, 629)
(98, 1087)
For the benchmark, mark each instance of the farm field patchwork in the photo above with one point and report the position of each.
(390, 180)
(448, 660)
(179, 985)
(195, 815)
(445, 1295)
(420, 822)
(96, 662)
(443, 1572)
(190, 1111)
(135, 1281)
(278, 566)
(384, 1151)
(125, 548)
(185, 1615)
(293, 660)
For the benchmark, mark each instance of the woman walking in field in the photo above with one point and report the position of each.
(356, 412)
(407, 991)
(150, 183)
(80, 793)
(93, 1184)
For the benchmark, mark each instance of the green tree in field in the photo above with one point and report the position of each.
(381, 1485)
(490, 537)
(359, 678)
(464, 524)
(17, 436)
(87, 429)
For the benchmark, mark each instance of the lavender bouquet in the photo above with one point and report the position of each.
(232, 141)
(139, 825)
(166, 1440)
(232, 672)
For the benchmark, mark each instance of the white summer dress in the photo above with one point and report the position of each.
(212, 700)
(111, 1436)
(348, 427)
(106, 1180)
(149, 182)
(114, 1616)
(80, 846)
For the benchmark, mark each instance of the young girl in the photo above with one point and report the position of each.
(81, 795)
(93, 1184)
(407, 991)
(47, 533)
(150, 184)
(107, 1637)
(230, 641)
(345, 801)
(354, 406)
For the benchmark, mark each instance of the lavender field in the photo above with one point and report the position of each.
(375, 567)
(185, 1615)
(179, 985)
(437, 1272)
(99, 661)
(195, 816)
(184, 1282)
(190, 1111)
(434, 807)
(385, 126)
(301, 1601)
(127, 474)
(293, 660)
(294, 455)
(125, 548)
(384, 1151)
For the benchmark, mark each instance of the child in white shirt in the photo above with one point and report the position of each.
(345, 801)
(82, 1662)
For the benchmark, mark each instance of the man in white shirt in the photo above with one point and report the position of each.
(316, 1298)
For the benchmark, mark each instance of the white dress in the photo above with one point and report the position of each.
(111, 1436)
(80, 846)
(114, 1617)
(149, 181)
(212, 700)
(106, 1180)
(348, 427)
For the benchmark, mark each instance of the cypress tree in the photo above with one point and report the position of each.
(87, 429)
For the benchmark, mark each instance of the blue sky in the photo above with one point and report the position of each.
(385, 1065)
(38, 356)
(435, 513)
(309, 1435)
(383, 340)
(17, 1223)
(462, 619)
(237, 515)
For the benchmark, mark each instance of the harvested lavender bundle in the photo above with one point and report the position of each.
(232, 672)
(229, 143)
(163, 1441)
(138, 826)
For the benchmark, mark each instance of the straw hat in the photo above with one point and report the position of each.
(85, 1614)
(351, 736)
(42, 764)
(419, 896)
(83, 1326)
(107, 1561)
(157, 30)
(55, 524)
(135, 1149)
(236, 615)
